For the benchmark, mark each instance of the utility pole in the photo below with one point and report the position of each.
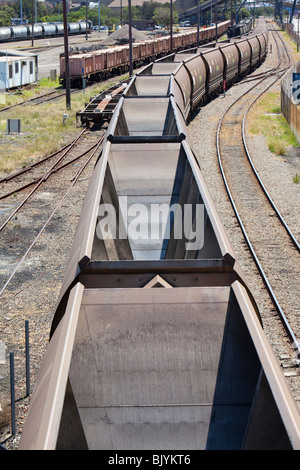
(99, 15)
(130, 39)
(86, 19)
(198, 21)
(32, 22)
(67, 68)
(292, 11)
(298, 35)
(216, 21)
(171, 26)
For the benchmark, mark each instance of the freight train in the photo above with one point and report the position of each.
(42, 30)
(205, 71)
(156, 341)
(244, 27)
(98, 65)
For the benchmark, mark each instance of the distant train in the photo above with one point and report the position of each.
(241, 28)
(42, 30)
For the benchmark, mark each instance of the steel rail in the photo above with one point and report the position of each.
(74, 180)
(40, 97)
(266, 75)
(27, 101)
(274, 299)
(294, 240)
(54, 170)
(32, 165)
(40, 182)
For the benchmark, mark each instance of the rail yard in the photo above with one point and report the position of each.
(153, 344)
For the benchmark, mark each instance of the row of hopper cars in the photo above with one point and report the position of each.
(207, 71)
(98, 65)
(156, 341)
(200, 73)
(42, 30)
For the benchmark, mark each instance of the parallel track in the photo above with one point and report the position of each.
(74, 180)
(66, 153)
(265, 230)
(53, 169)
(44, 98)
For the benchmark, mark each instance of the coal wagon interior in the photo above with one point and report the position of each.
(188, 379)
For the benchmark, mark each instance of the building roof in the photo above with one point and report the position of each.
(14, 53)
(12, 58)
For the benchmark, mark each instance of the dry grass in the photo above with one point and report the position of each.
(266, 119)
(42, 129)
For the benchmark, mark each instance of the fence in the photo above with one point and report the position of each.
(290, 99)
(292, 29)
(289, 29)
(12, 378)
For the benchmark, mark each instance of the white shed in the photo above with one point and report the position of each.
(17, 70)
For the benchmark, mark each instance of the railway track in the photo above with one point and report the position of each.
(24, 191)
(20, 188)
(44, 98)
(265, 230)
(34, 250)
(17, 173)
(63, 156)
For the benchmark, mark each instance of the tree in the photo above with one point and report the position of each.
(244, 13)
(147, 9)
(135, 13)
(162, 15)
(12, 10)
(6, 13)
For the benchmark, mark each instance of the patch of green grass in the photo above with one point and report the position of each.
(296, 179)
(48, 83)
(275, 110)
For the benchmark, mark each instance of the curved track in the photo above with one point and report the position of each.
(271, 242)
